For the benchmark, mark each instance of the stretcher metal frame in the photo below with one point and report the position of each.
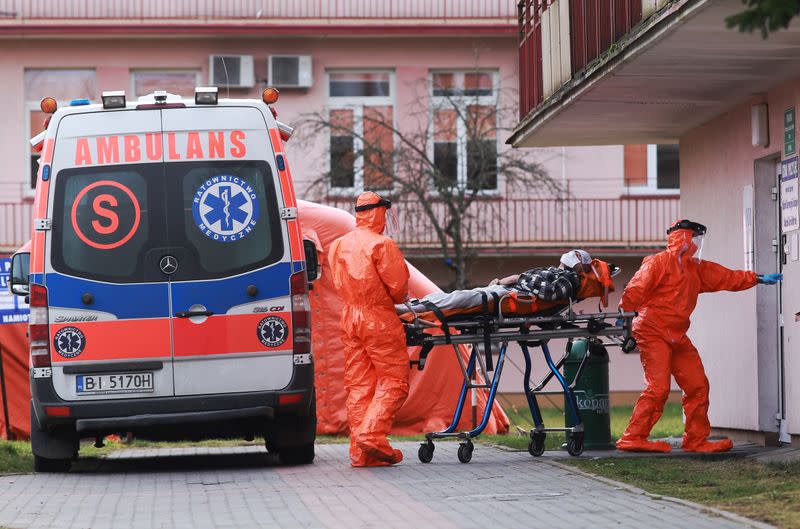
(535, 330)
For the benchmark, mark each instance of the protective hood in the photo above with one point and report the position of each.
(373, 219)
(679, 242)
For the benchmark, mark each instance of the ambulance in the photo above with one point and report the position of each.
(167, 277)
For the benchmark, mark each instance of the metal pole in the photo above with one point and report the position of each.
(9, 435)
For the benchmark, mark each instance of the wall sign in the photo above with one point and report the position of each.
(790, 213)
(788, 132)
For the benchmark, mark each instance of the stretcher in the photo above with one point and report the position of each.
(531, 326)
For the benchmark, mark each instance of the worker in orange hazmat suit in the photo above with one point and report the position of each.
(664, 293)
(371, 276)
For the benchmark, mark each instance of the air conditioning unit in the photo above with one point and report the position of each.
(290, 71)
(234, 71)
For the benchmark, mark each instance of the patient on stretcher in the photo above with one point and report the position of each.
(578, 276)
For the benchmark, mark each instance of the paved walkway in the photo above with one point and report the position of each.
(243, 487)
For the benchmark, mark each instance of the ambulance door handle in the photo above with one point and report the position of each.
(190, 313)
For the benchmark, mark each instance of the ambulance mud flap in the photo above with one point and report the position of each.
(59, 443)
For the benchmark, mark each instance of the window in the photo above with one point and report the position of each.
(64, 86)
(361, 117)
(181, 82)
(464, 118)
(110, 219)
(652, 169)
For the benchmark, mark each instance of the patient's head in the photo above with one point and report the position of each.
(577, 260)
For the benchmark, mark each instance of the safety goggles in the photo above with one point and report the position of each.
(383, 202)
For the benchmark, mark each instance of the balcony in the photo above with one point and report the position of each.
(495, 227)
(638, 71)
(31, 14)
(531, 225)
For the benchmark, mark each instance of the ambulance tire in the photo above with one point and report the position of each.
(297, 455)
(44, 465)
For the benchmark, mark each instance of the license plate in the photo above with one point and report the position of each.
(114, 383)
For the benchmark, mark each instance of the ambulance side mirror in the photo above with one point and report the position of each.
(18, 282)
(312, 263)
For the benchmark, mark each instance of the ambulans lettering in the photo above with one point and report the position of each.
(225, 208)
(133, 148)
(96, 217)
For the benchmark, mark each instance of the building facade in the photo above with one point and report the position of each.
(349, 61)
(671, 71)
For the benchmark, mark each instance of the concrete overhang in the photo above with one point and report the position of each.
(677, 70)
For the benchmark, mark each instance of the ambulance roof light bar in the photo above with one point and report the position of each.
(206, 95)
(114, 99)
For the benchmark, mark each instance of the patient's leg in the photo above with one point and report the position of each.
(458, 299)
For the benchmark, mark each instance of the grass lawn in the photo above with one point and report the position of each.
(770, 493)
(670, 424)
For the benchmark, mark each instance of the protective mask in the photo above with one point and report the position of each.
(392, 226)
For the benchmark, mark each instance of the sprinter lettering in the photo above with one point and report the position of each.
(133, 148)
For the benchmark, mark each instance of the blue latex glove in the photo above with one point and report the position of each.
(771, 279)
(619, 323)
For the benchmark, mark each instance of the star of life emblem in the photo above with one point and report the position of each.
(225, 208)
(272, 331)
(69, 342)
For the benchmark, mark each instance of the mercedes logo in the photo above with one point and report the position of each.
(168, 264)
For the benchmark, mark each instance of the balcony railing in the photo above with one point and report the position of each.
(558, 38)
(264, 10)
(529, 223)
(510, 225)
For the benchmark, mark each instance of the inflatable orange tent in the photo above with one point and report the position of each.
(433, 392)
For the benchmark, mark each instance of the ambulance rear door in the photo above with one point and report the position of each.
(229, 264)
(108, 300)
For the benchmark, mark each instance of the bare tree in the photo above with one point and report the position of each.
(447, 166)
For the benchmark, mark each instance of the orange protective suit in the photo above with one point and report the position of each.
(664, 292)
(370, 274)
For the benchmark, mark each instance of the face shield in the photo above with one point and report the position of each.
(697, 240)
(392, 228)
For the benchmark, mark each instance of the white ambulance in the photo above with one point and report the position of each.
(167, 279)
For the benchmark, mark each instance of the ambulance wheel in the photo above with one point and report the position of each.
(42, 464)
(425, 452)
(575, 446)
(465, 452)
(297, 455)
(536, 446)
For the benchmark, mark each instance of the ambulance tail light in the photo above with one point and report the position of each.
(301, 313)
(39, 328)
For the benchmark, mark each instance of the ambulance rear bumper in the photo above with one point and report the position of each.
(119, 415)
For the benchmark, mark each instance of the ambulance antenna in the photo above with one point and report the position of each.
(227, 82)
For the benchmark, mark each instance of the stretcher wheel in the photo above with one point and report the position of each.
(575, 446)
(465, 452)
(536, 446)
(425, 452)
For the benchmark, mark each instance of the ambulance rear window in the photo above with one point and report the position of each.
(102, 221)
(225, 214)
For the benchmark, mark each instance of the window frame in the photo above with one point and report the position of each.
(651, 188)
(133, 71)
(357, 104)
(439, 102)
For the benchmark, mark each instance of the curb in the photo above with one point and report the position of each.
(686, 503)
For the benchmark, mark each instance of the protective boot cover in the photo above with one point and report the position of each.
(433, 392)
(664, 292)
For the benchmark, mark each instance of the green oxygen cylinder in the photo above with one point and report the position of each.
(591, 393)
